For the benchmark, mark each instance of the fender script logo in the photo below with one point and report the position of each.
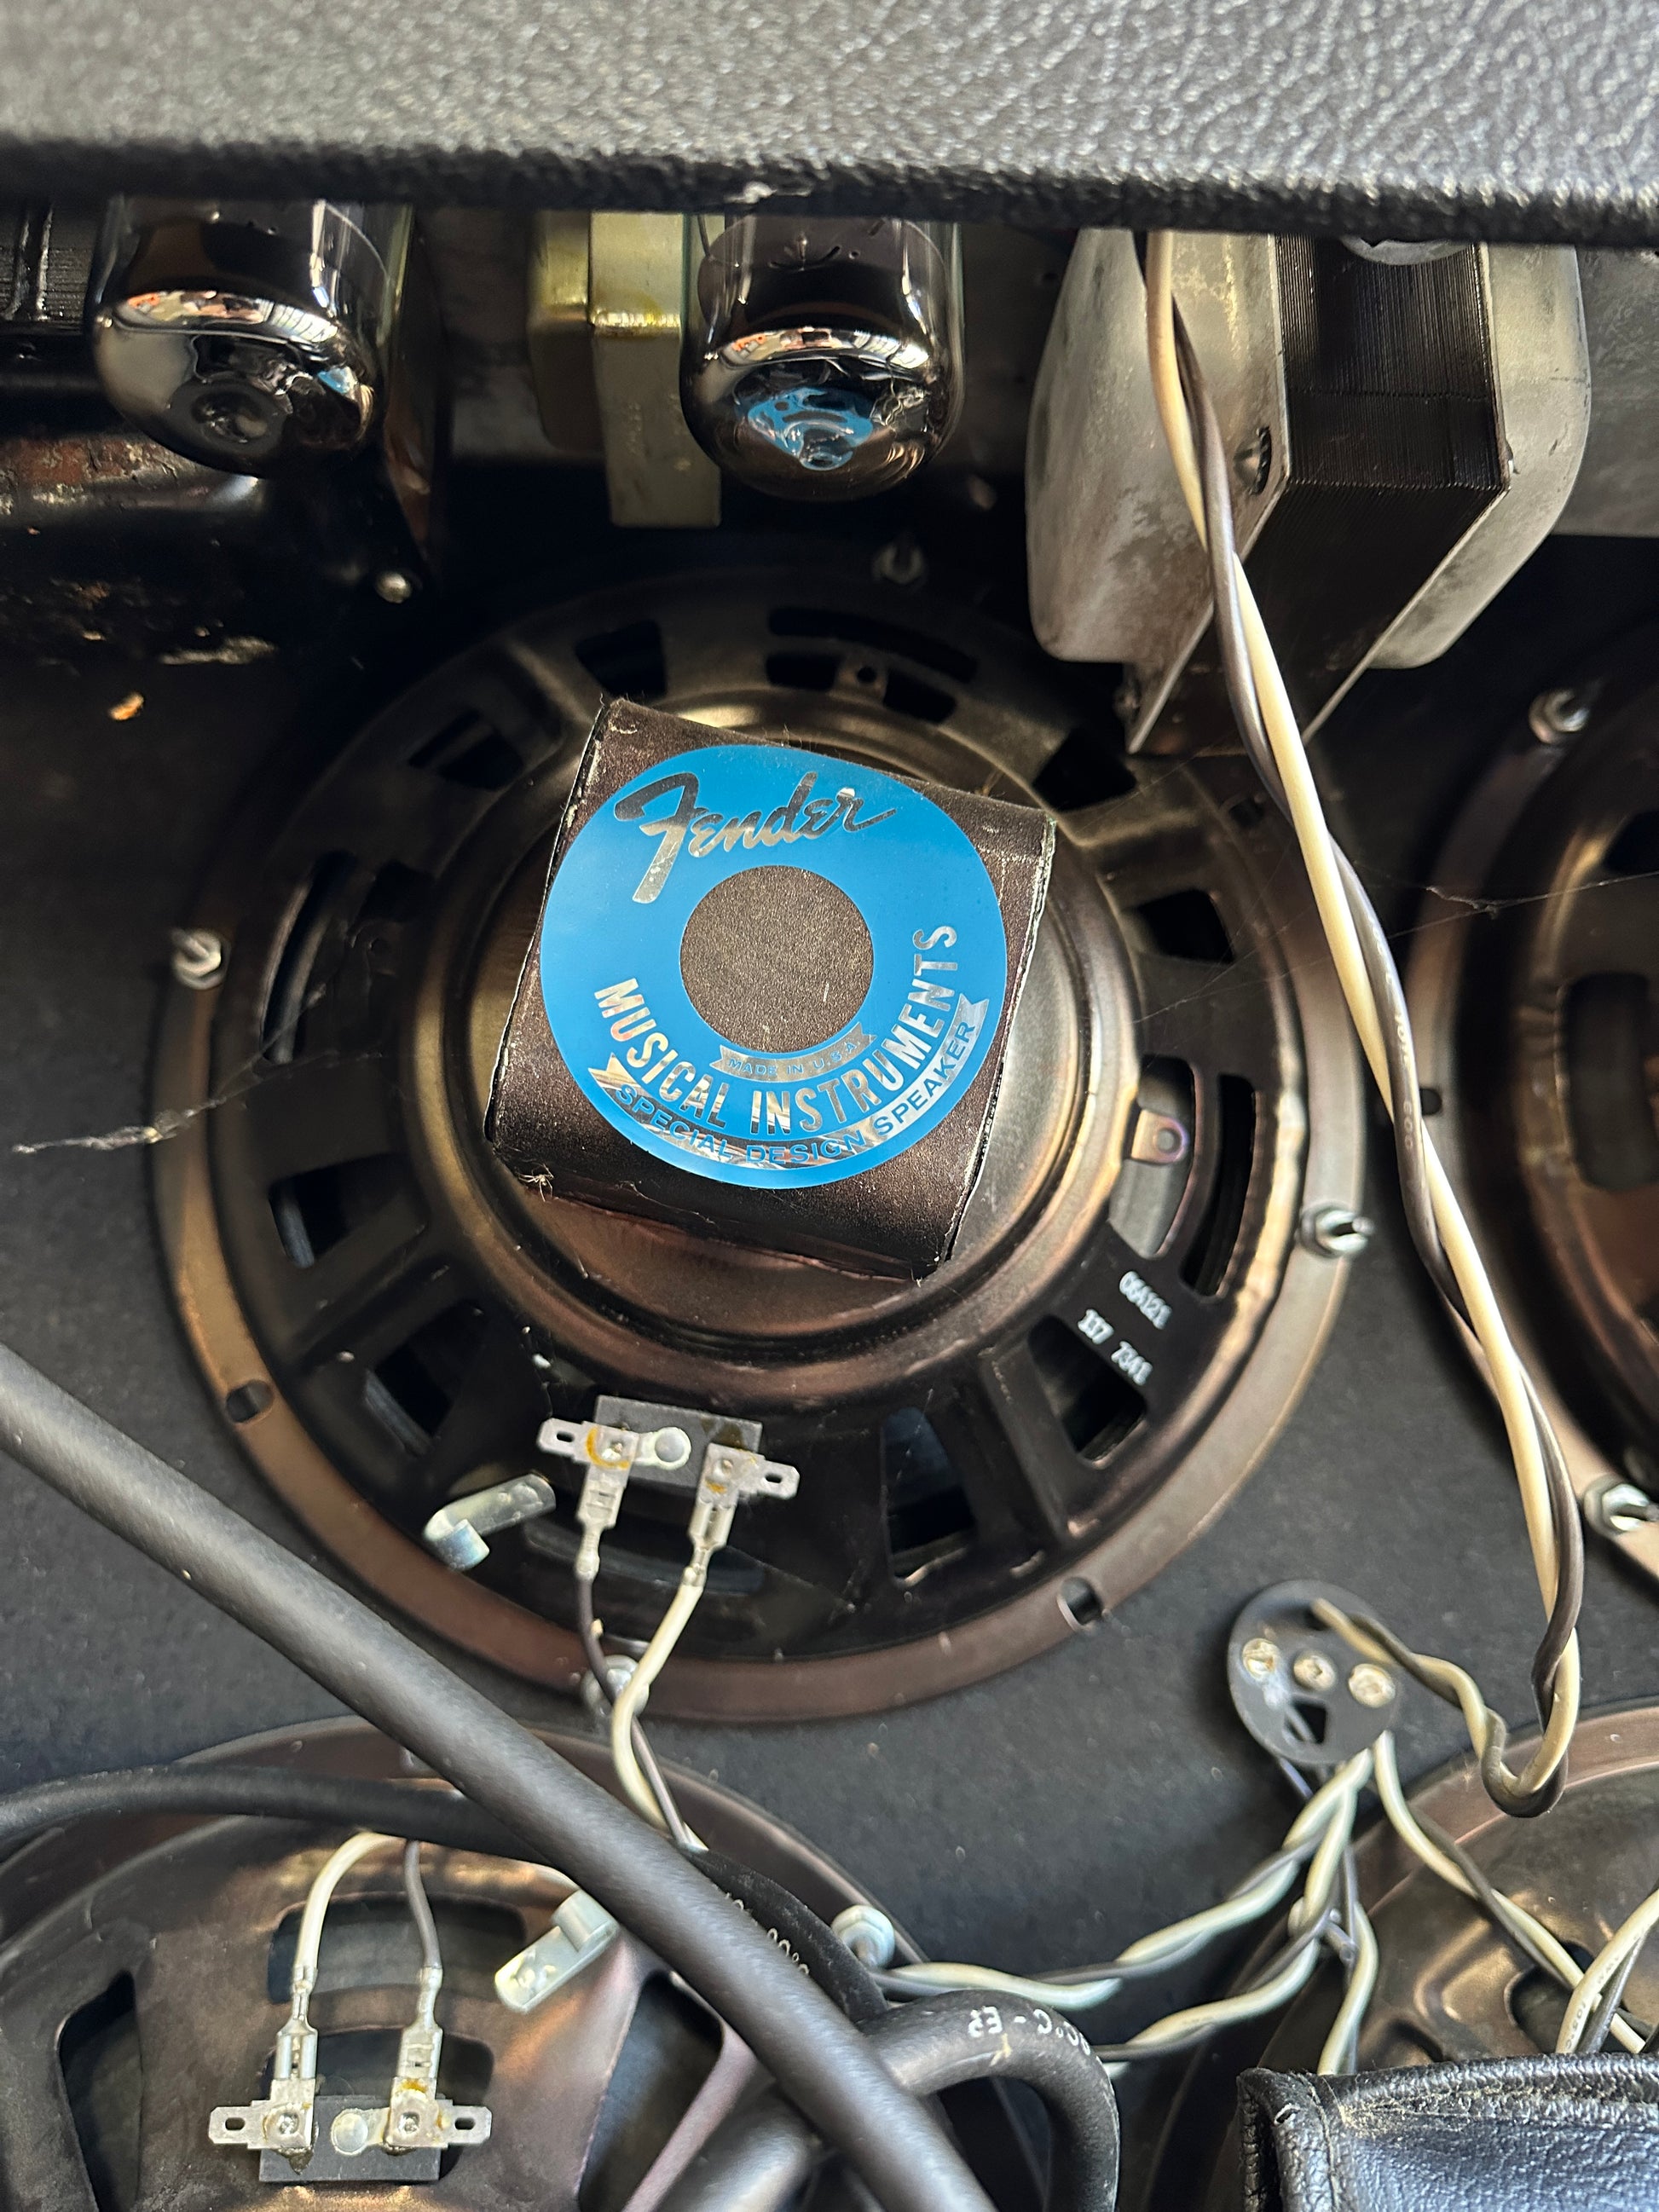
(704, 829)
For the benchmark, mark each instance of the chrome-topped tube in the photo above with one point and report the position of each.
(823, 358)
(248, 335)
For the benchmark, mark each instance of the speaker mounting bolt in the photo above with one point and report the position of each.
(198, 958)
(1554, 715)
(1614, 1507)
(1336, 1232)
(868, 1934)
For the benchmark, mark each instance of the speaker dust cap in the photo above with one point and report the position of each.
(769, 993)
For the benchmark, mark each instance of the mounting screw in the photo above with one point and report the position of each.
(1371, 1685)
(868, 1933)
(1253, 462)
(901, 561)
(618, 1672)
(1557, 715)
(1614, 1507)
(1312, 1670)
(285, 2126)
(198, 958)
(409, 2123)
(1260, 1658)
(1336, 1232)
(395, 587)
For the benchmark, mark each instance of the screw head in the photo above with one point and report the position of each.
(901, 562)
(396, 588)
(1371, 1685)
(235, 416)
(1554, 715)
(407, 2124)
(198, 958)
(1260, 1658)
(1312, 1670)
(285, 2126)
(868, 1933)
(1336, 1232)
(1253, 462)
(1614, 1507)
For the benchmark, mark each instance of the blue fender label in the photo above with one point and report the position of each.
(637, 1047)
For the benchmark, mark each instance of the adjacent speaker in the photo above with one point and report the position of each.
(1451, 1989)
(147, 1975)
(1534, 989)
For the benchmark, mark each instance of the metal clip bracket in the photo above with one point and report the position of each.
(456, 1532)
(581, 1931)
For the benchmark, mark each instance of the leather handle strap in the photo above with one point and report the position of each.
(1507, 2135)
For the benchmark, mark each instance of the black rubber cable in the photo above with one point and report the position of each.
(1410, 1136)
(417, 1812)
(422, 1814)
(799, 1929)
(756, 2160)
(817, 2057)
